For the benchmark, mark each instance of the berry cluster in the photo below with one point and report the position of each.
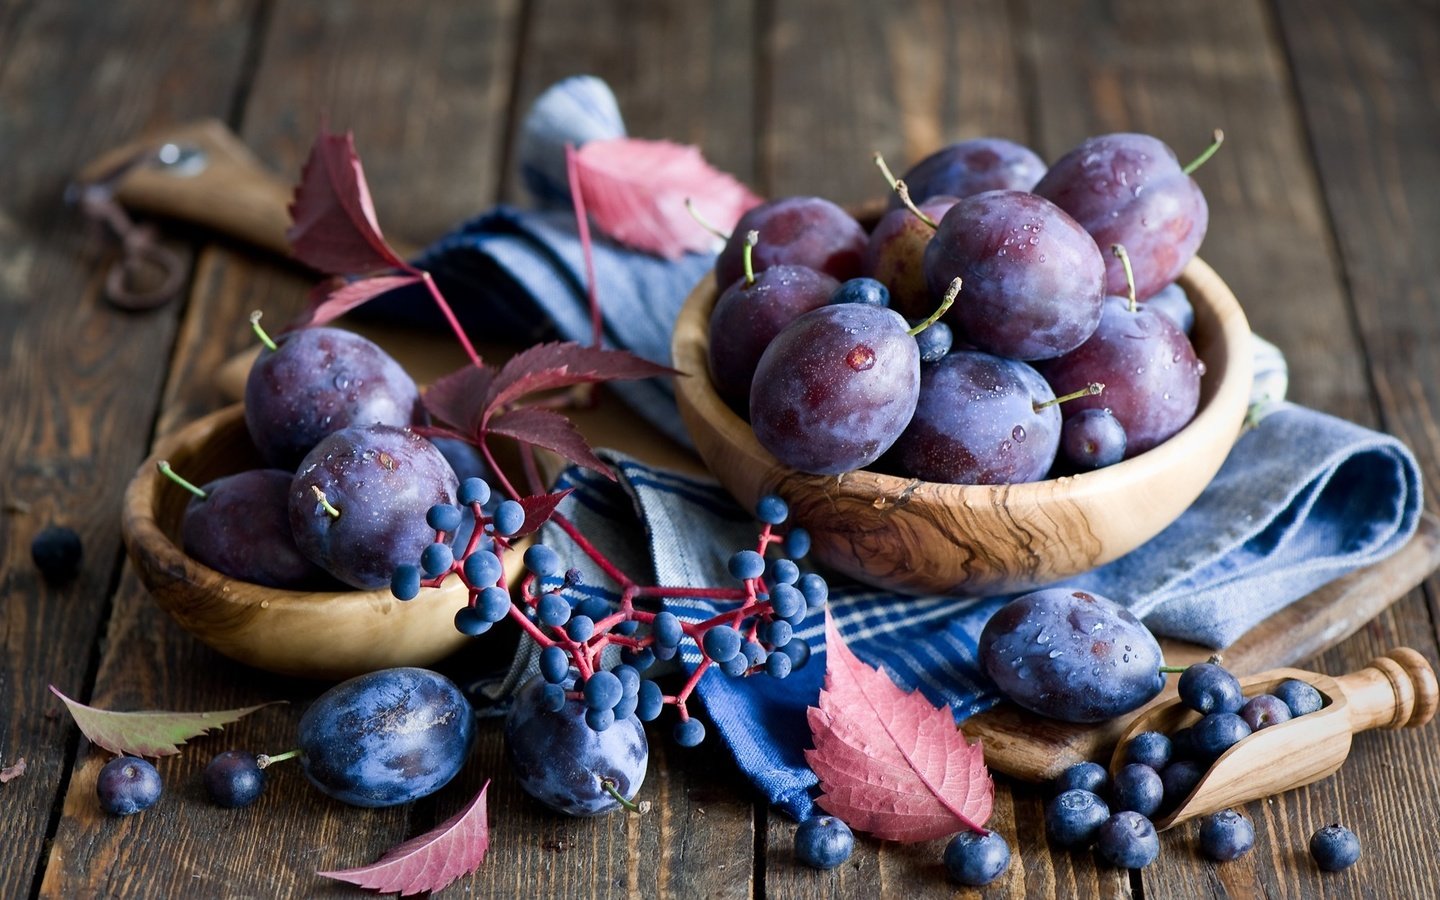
(573, 628)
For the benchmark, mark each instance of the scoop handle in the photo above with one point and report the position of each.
(1397, 690)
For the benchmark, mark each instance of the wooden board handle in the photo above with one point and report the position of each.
(1397, 690)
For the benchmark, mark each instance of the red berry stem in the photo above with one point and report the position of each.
(582, 226)
(447, 312)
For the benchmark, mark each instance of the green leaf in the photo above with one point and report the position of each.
(151, 732)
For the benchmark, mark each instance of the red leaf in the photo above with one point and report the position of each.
(329, 302)
(334, 226)
(545, 367)
(890, 763)
(431, 861)
(539, 508)
(459, 398)
(636, 190)
(547, 428)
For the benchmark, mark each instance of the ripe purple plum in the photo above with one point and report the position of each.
(386, 737)
(1033, 277)
(747, 317)
(358, 501)
(980, 419)
(972, 167)
(835, 388)
(796, 231)
(318, 381)
(1150, 372)
(1130, 189)
(895, 255)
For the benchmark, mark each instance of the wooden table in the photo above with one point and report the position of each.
(1325, 215)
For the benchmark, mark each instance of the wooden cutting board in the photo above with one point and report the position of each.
(235, 195)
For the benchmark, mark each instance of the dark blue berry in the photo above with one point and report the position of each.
(552, 697)
(580, 628)
(689, 732)
(470, 622)
(1301, 697)
(1137, 788)
(474, 490)
(735, 666)
(641, 659)
(1264, 710)
(778, 665)
(771, 509)
(665, 654)
(650, 701)
(1128, 840)
(782, 571)
(667, 630)
(799, 652)
(1208, 688)
(234, 779)
(482, 568)
(405, 582)
(1218, 732)
(823, 842)
(935, 342)
(600, 719)
(778, 633)
(542, 560)
(1182, 744)
(1179, 779)
(797, 543)
(975, 859)
(596, 608)
(866, 291)
(629, 678)
(626, 707)
(627, 627)
(127, 785)
(552, 609)
(1074, 818)
(721, 642)
(747, 564)
(554, 664)
(436, 559)
(603, 690)
(787, 601)
(754, 653)
(493, 603)
(509, 518)
(1334, 847)
(1149, 748)
(1093, 439)
(56, 552)
(1083, 776)
(1226, 835)
(814, 588)
(444, 517)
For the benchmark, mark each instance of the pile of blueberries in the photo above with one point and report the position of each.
(1159, 771)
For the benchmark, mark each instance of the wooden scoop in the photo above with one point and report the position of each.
(1395, 690)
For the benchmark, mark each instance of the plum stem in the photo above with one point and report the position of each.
(260, 332)
(324, 503)
(1090, 390)
(950, 294)
(1197, 162)
(262, 761)
(1171, 670)
(704, 222)
(902, 190)
(1120, 254)
(752, 238)
(612, 789)
(164, 467)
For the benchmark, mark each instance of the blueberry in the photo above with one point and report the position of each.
(747, 564)
(602, 691)
(783, 571)
(1137, 788)
(867, 291)
(771, 509)
(482, 568)
(56, 551)
(667, 630)
(935, 342)
(436, 560)
(1301, 697)
(1179, 779)
(799, 652)
(542, 560)
(234, 779)
(469, 621)
(1208, 688)
(1264, 710)
(1226, 835)
(976, 859)
(1073, 819)
(735, 666)
(778, 665)
(1149, 748)
(127, 785)
(650, 701)
(580, 628)
(1182, 744)
(1083, 776)
(493, 603)
(474, 490)
(444, 517)
(1218, 732)
(552, 609)
(594, 608)
(814, 589)
(797, 543)
(629, 678)
(778, 633)
(599, 719)
(721, 642)
(405, 582)
(689, 732)
(509, 518)
(787, 601)
(1334, 847)
(823, 842)
(554, 664)
(1128, 840)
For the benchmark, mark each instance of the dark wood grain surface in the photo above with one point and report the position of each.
(1325, 217)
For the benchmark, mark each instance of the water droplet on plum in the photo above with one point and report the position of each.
(1018, 433)
(860, 358)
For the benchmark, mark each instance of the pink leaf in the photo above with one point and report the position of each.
(431, 861)
(547, 428)
(151, 733)
(458, 399)
(636, 190)
(12, 771)
(539, 508)
(334, 226)
(329, 302)
(889, 762)
(545, 367)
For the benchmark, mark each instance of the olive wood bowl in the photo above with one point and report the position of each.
(914, 536)
(326, 635)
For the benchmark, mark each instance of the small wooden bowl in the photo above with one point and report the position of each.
(327, 635)
(917, 536)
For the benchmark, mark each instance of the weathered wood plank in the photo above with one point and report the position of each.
(81, 379)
